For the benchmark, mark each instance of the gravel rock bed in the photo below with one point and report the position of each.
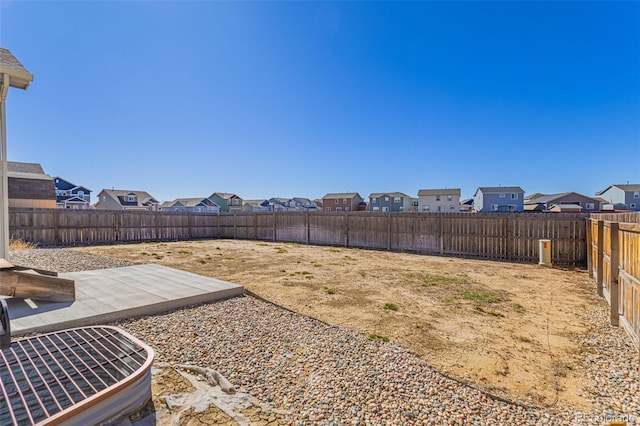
(309, 372)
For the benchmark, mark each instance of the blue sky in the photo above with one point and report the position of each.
(264, 99)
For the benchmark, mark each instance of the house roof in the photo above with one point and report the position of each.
(566, 207)
(499, 189)
(254, 203)
(445, 191)
(390, 194)
(188, 202)
(624, 187)
(334, 195)
(19, 76)
(143, 198)
(467, 202)
(26, 171)
(548, 198)
(225, 195)
(71, 185)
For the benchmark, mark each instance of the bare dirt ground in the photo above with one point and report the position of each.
(506, 328)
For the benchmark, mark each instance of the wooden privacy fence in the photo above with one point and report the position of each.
(498, 236)
(614, 262)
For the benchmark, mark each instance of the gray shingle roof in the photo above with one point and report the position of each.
(26, 171)
(446, 191)
(335, 195)
(20, 77)
(389, 194)
(500, 189)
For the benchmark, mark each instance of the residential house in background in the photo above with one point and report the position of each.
(563, 202)
(279, 204)
(193, 205)
(70, 195)
(439, 200)
(499, 199)
(29, 186)
(466, 205)
(621, 197)
(341, 201)
(256, 206)
(303, 204)
(383, 202)
(228, 202)
(123, 199)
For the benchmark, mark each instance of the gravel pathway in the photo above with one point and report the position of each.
(309, 372)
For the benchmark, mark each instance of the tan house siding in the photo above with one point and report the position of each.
(20, 203)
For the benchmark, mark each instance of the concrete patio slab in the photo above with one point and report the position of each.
(105, 295)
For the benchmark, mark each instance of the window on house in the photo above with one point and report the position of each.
(440, 208)
(449, 197)
(344, 201)
(452, 207)
(80, 193)
(130, 198)
(396, 200)
(327, 209)
(502, 195)
(338, 209)
(376, 209)
(494, 207)
(426, 208)
(386, 198)
(590, 206)
(437, 198)
(198, 209)
(104, 198)
(632, 205)
(636, 194)
(514, 196)
(374, 200)
(346, 209)
(512, 207)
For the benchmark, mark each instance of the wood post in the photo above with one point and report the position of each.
(614, 284)
(600, 260)
(308, 228)
(255, 226)
(235, 226)
(275, 229)
(346, 229)
(441, 226)
(589, 248)
(388, 231)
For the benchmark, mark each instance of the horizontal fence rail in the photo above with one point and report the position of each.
(614, 262)
(496, 236)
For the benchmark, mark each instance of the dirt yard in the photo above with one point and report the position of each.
(506, 328)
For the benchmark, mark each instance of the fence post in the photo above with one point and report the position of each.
(308, 226)
(255, 226)
(346, 229)
(589, 248)
(614, 286)
(275, 230)
(441, 225)
(56, 228)
(389, 231)
(600, 260)
(218, 226)
(508, 246)
(235, 226)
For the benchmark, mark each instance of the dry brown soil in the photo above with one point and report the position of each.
(506, 328)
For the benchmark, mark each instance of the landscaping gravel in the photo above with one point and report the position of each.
(307, 372)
